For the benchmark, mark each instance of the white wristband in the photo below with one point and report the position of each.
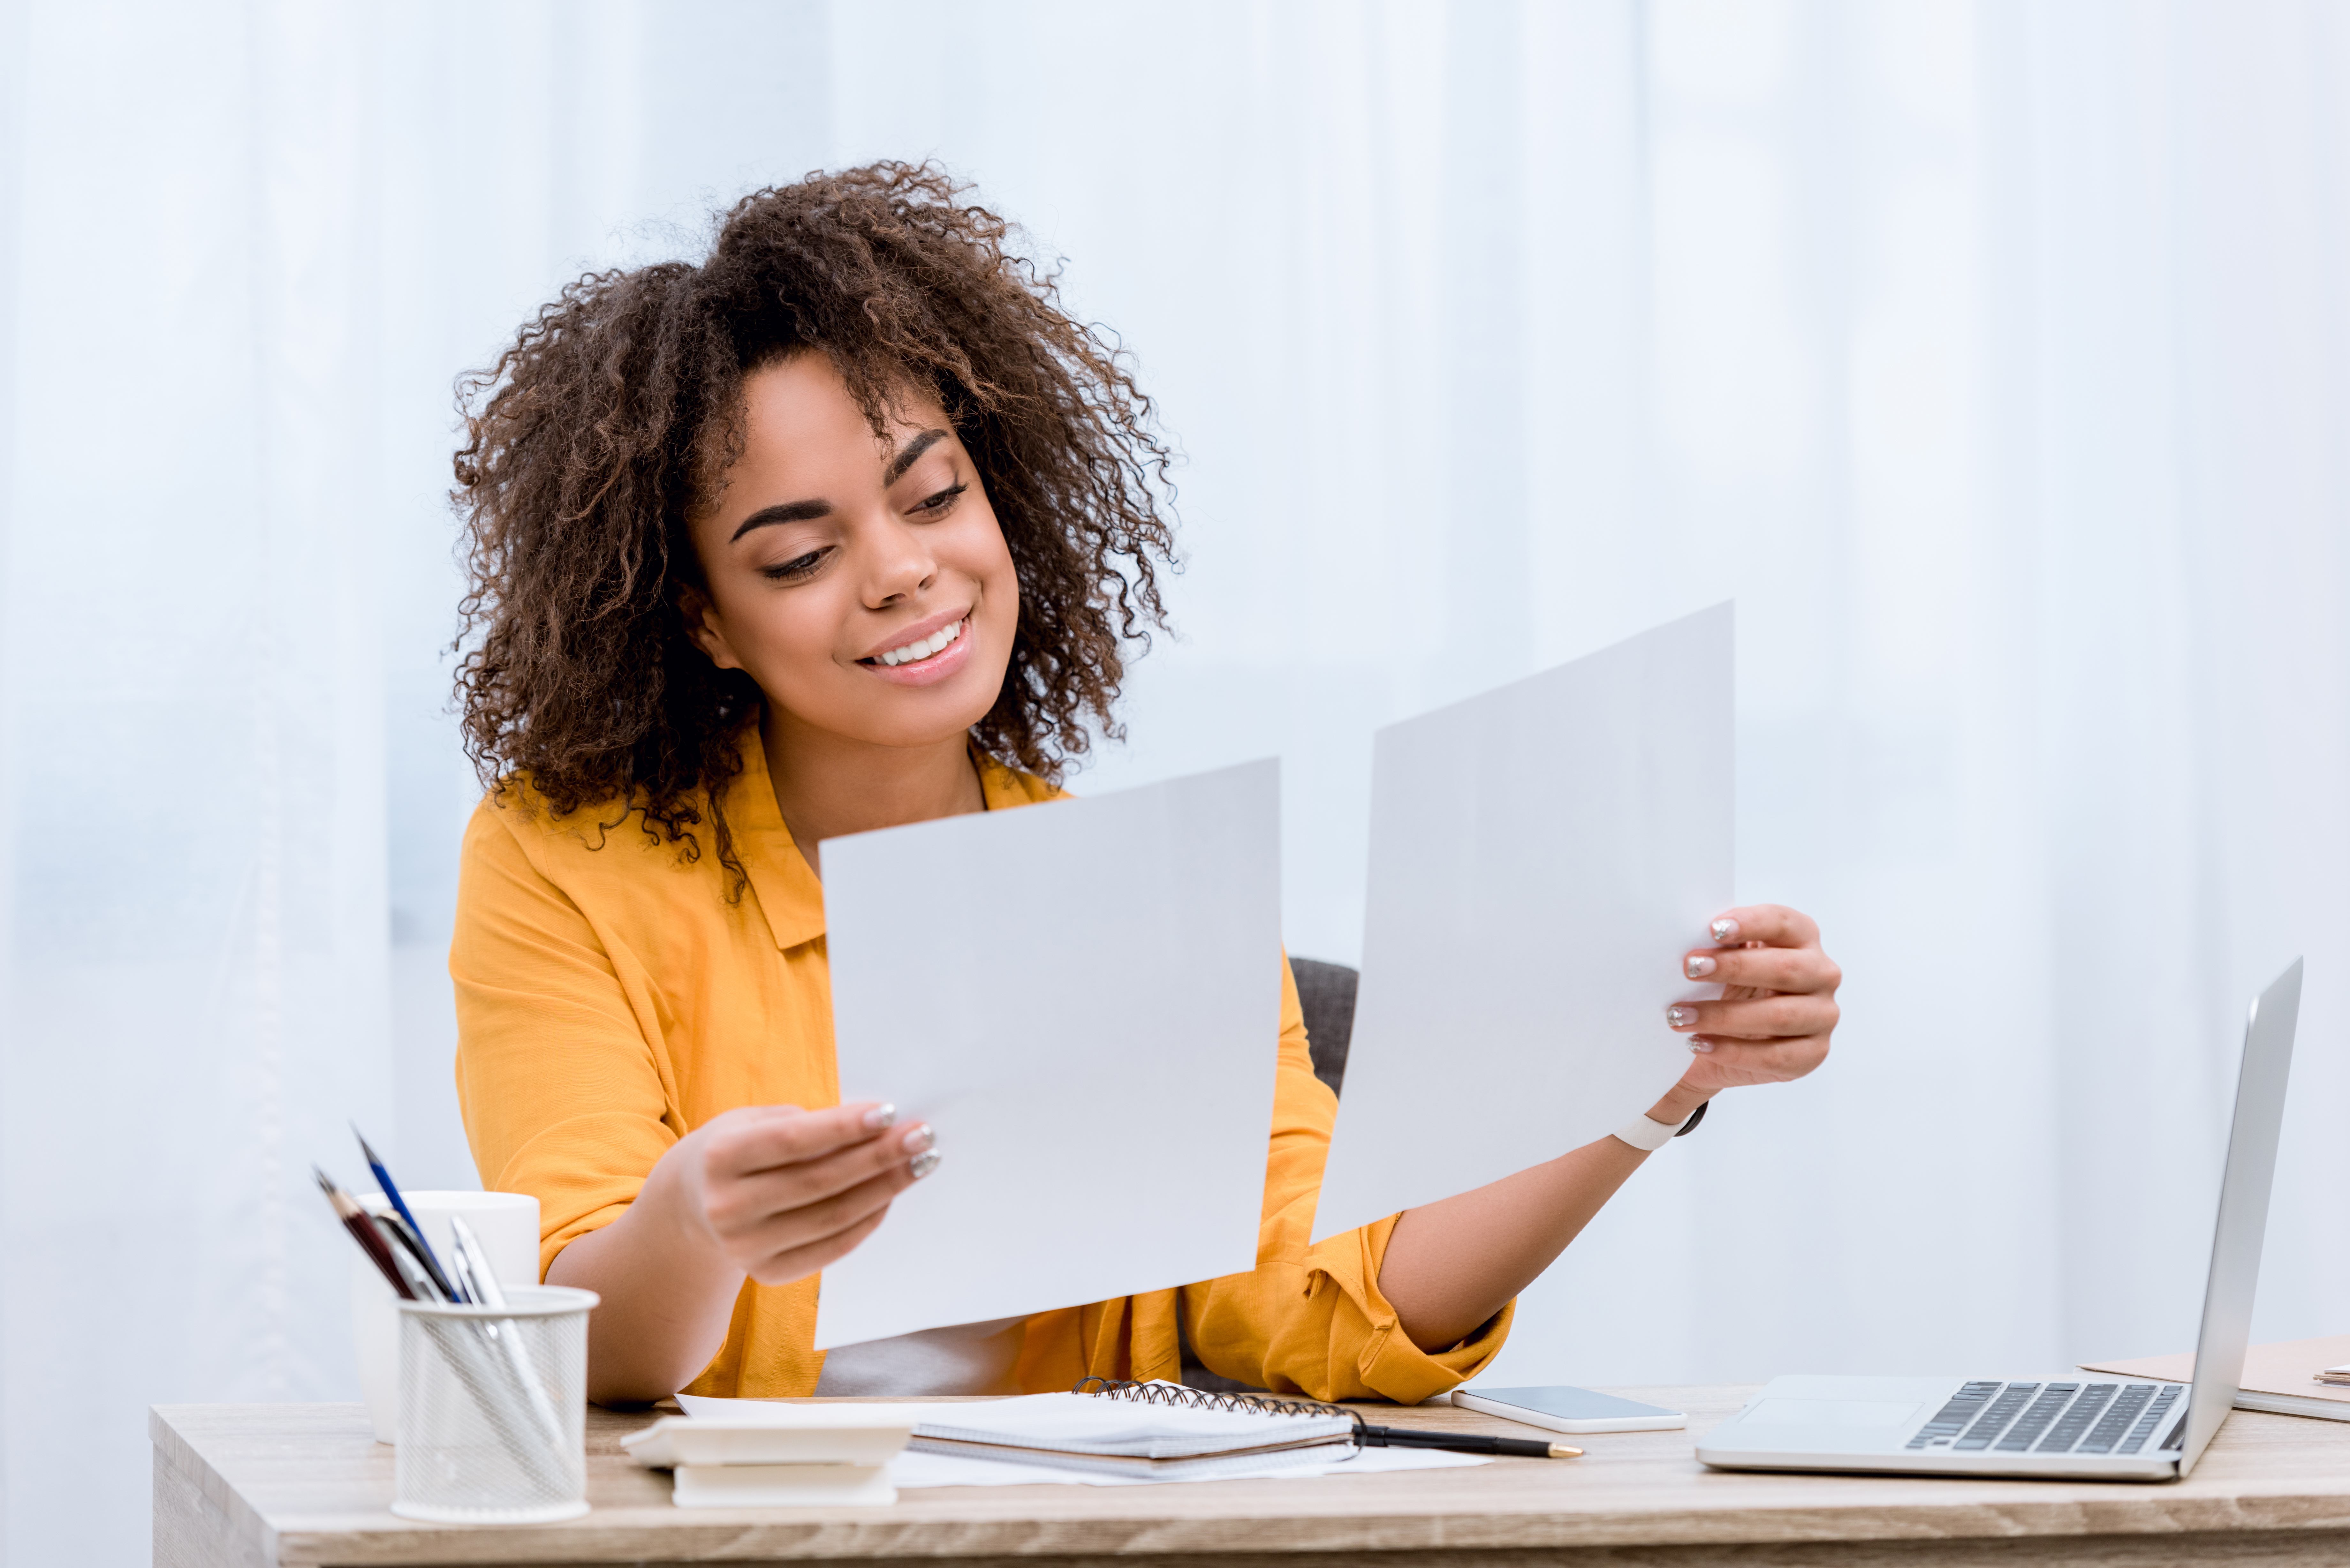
(1649, 1135)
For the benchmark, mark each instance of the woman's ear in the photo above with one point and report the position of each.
(702, 630)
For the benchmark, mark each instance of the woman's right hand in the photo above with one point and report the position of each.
(771, 1191)
(782, 1193)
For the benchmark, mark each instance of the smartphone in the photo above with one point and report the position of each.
(1563, 1409)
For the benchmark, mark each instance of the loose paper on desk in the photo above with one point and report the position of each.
(1083, 998)
(1542, 856)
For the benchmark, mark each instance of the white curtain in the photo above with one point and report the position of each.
(1995, 356)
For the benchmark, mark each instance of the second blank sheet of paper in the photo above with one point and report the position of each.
(1083, 998)
(1542, 855)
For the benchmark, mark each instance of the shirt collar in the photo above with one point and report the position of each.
(788, 892)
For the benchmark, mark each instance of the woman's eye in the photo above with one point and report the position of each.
(940, 502)
(796, 567)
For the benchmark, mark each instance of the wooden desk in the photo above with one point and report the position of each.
(244, 1484)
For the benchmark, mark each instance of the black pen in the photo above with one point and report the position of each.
(414, 1259)
(1372, 1437)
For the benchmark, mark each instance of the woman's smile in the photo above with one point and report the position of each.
(929, 651)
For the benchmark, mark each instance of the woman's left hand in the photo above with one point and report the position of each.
(1778, 1007)
(1451, 1264)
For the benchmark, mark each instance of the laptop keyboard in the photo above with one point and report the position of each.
(2050, 1418)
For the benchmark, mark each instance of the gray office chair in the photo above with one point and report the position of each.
(1327, 992)
(1327, 989)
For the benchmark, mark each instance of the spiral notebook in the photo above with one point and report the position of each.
(1160, 1437)
(1151, 1431)
(1122, 1434)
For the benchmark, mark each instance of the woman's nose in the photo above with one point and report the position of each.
(902, 563)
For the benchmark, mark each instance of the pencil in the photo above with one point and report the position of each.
(355, 1220)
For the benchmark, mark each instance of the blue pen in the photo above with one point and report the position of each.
(400, 1206)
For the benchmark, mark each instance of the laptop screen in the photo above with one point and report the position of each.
(2244, 1210)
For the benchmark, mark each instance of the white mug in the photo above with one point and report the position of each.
(506, 1223)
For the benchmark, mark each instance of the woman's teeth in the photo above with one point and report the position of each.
(924, 649)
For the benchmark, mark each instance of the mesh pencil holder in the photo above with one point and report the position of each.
(493, 1409)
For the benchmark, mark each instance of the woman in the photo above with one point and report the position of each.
(848, 527)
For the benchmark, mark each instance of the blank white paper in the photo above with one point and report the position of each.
(1083, 998)
(1542, 856)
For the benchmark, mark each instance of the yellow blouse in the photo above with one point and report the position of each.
(610, 998)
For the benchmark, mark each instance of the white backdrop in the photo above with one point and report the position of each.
(1995, 356)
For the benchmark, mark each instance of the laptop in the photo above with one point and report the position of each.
(2082, 1427)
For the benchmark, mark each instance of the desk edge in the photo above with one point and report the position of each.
(246, 1525)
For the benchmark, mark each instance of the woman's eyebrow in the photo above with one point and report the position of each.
(909, 452)
(790, 512)
(806, 511)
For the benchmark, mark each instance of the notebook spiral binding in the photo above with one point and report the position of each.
(1184, 1398)
(1365, 1435)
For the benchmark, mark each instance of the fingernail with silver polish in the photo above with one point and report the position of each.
(919, 1138)
(1698, 968)
(1725, 930)
(881, 1117)
(924, 1163)
(1681, 1017)
(1697, 1043)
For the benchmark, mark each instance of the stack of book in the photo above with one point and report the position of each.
(812, 1456)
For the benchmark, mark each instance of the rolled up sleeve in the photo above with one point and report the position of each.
(561, 1087)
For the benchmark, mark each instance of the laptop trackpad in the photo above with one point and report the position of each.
(1861, 1413)
(1806, 1424)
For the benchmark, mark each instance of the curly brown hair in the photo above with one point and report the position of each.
(611, 419)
